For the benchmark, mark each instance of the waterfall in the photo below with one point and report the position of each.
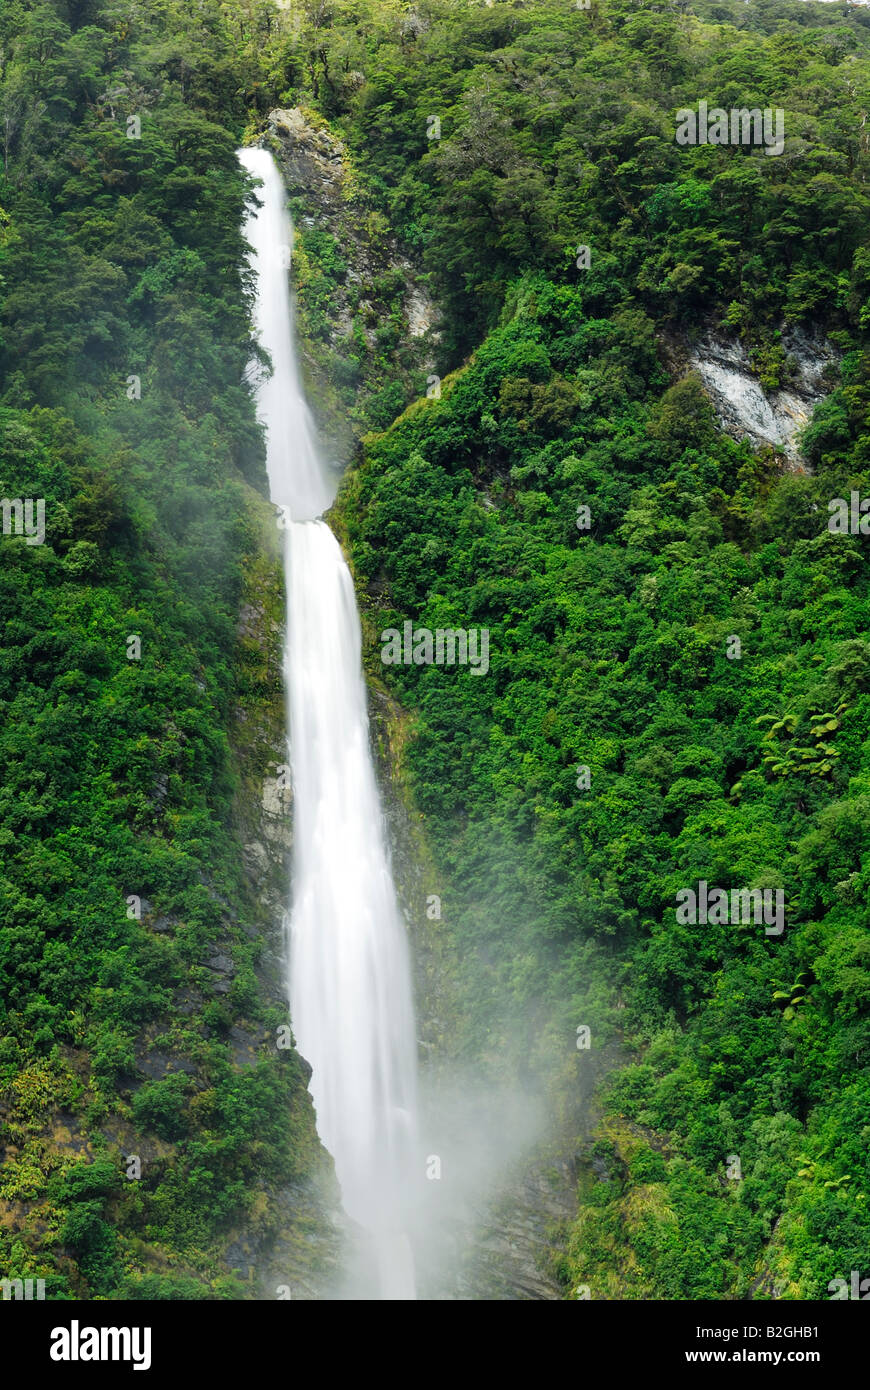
(349, 968)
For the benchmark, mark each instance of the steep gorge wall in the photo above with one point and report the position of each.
(366, 320)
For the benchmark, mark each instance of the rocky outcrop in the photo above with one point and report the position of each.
(317, 168)
(508, 1258)
(365, 317)
(746, 408)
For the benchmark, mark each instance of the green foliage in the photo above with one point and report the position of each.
(123, 258)
(609, 645)
(557, 129)
(161, 1106)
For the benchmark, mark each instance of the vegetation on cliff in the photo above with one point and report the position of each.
(141, 1118)
(493, 140)
(736, 1160)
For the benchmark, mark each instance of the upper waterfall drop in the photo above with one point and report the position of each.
(349, 966)
(298, 479)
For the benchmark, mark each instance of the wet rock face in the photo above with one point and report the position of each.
(509, 1255)
(312, 160)
(745, 409)
(316, 167)
(368, 340)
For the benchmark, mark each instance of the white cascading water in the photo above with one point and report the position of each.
(349, 968)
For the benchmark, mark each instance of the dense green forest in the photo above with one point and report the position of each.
(611, 646)
(125, 335)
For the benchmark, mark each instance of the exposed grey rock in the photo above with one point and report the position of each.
(744, 408)
(245, 1046)
(222, 964)
(507, 1259)
(300, 1257)
(256, 859)
(276, 804)
(318, 172)
(159, 1064)
(250, 620)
